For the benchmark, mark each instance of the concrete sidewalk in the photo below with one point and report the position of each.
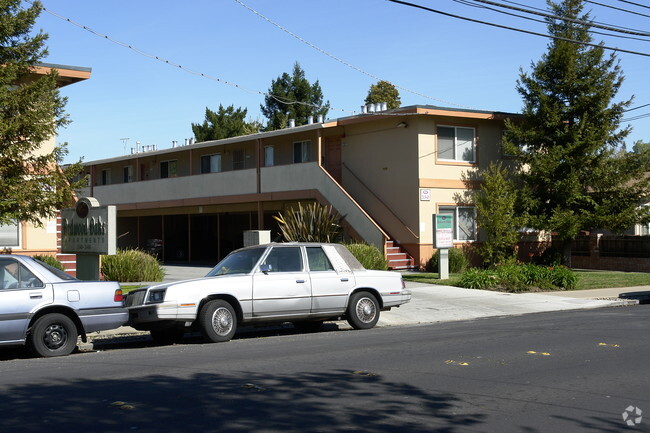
(433, 303)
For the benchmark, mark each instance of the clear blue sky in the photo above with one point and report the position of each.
(454, 61)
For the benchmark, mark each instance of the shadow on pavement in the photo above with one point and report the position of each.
(333, 401)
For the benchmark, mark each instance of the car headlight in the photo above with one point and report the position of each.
(156, 296)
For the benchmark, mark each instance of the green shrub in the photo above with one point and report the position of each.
(313, 222)
(511, 278)
(563, 277)
(369, 256)
(519, 278)
(50, 260)
(481, 279)
(132, 266)
(458, 261)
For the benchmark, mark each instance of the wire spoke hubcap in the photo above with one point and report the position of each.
(366, 310)
(222, 321)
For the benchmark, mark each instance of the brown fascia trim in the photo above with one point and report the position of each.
(67, 74)
(427, 111)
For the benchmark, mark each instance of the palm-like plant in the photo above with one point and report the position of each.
(310, 223)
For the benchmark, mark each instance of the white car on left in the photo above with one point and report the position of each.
(48, 309)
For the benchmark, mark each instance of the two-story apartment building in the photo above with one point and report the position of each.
(386, 173)
(26, 238)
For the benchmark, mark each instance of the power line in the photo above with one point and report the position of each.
(635, 108)
(573, 20)
(618, 9)
(635, 4)
(343, 62)
(191, 71)
(404, 3)
(467, 3)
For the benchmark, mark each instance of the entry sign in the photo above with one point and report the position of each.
(444, 231)
(88, 228)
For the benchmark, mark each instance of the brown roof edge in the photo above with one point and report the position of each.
(67, 74)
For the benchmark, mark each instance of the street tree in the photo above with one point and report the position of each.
(224, 123)
(384, 91)
(573, 175)
(33, 184)
(642, 148)
(293, 97)
(497, 216)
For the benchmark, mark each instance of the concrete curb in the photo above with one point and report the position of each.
(434, 304)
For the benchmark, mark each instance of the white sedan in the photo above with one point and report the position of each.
(302, 283)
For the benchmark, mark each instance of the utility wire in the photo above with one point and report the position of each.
(618, 9)
(343, 62)
(191, 71)
(635, 4)
(572, 20)
(537, 20)
(404, 3)
(635, 108)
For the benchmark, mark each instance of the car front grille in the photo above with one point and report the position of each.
(135, 298)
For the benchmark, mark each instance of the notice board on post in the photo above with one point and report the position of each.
(443, 233)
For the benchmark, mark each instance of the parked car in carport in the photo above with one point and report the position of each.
(302, 283)
(48, 309)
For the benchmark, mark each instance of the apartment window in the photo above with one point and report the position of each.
(456, 144)
(168, 169)
(238, 160)
(268, 156)
(464, 218)
(128, 174)
(302, 151)
(211, 163)
(106, 176)
(10, 235)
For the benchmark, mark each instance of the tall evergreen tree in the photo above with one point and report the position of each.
(293, 97)
(573, 176)
(224, 123)
(384, 91)
(33, 186)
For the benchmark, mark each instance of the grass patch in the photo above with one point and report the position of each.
(587, 279)
(608, 279)
(432, 278)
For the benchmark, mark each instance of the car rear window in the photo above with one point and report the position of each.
(349, 261)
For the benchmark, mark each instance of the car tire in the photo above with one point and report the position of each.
(53, 335)
(308, 325)
(363, 310)
(218, 321)
(167, 336)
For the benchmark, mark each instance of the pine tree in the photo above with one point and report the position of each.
(293, 97)
(224, 123)
(33, 186)
(573, 175)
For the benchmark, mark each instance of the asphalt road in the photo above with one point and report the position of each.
(573, 371)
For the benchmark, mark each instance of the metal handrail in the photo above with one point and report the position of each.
(379, 200)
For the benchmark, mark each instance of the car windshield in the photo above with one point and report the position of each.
(239, 262)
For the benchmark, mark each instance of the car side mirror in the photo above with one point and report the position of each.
(266, 268)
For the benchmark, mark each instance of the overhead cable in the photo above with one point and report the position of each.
(404, 3)
(343, 62)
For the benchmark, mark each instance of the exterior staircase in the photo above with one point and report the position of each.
(398, 259)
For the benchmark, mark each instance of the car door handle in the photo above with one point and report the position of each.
(35, 295)
(300, 281)
(344, 280)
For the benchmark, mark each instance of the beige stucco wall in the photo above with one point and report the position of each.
(444, 180)
(382, 158)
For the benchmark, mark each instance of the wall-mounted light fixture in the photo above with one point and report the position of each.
(402, 125)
